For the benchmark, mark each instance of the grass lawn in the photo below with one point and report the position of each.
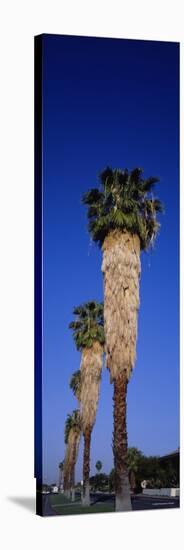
(58, 499)
(61, 505)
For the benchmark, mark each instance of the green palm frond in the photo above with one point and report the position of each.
(88, 326)
(125, 202)
(75, 383)
(92, 197)
(147, 185)
(135, 175)
(106, 175)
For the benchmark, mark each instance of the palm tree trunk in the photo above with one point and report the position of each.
(59, 481)
(66, 471)
(73, 484)
(67, 487)
(122, 488)
(91, 368)
(86, 467)
(66, 484)
(121, 269)
(70, 460)
(74, 455)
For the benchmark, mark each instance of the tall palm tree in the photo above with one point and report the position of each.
(72, 440)
(122, 220)
(88, 334)
(98, 465)
(61, 468)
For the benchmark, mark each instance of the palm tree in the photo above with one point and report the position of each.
(75, 386)
(88, 334)
(98, 465)
(61, 468)
(72, 440)
(122, 220)
(134, 457)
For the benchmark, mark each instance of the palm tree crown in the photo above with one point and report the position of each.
(88, 326)
(75, 384)
(133, 458)
(125, 202)
(72, 421)
(98, 465)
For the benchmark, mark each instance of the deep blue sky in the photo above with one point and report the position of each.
(109, 102)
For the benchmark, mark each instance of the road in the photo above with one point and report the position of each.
(152, 503)
(139, 502)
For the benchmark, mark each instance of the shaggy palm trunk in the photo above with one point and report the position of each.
(70, 459)
(65, 478)
(73, 484)
(66, 486)
(121, 269)
(60, 479)
(91, 368)
(86, 467)
(122, 489)
(74, 455)
(66, 482)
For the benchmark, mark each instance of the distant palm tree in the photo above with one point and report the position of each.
(72, 439)
(88, 334)
(134, 457)
(122, 220)
(75, 386)
(98, 465)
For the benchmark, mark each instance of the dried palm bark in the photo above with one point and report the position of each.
(91, 368)
(60, 481)
(71, 458)
(121, 269)
(66, 480)
(74, 456)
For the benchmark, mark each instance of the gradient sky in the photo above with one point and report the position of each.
(109, 102)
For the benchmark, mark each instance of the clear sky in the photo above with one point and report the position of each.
(109, 102)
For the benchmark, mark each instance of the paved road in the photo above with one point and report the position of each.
(139, 502)
(152, 503)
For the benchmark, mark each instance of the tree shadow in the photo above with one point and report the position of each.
(28, 503)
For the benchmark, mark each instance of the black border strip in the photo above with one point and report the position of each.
(38, 468)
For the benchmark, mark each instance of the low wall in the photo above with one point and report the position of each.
(175, 492)
(165, 492)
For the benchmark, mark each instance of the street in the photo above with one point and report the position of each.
(139, 502)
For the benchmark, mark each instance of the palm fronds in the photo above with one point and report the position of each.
(75, 384)
(72, 422)
(88, 325)
(124, 203)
